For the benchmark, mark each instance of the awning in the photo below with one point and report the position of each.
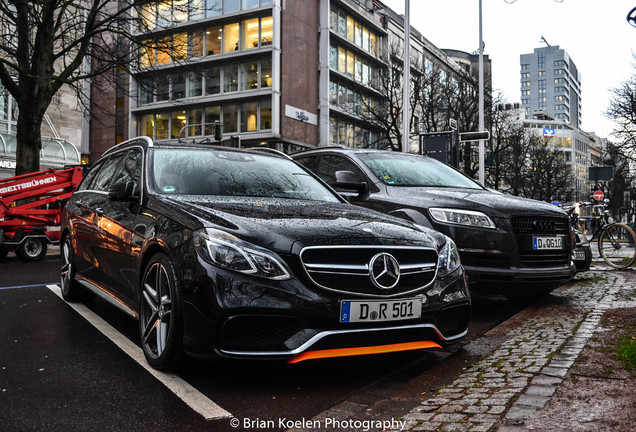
(55, 153)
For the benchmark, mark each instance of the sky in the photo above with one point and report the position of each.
(594, 33)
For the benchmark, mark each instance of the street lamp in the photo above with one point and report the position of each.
(481, 100)
(406, 108)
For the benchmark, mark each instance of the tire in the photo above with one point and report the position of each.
(72, 291)
(617, 245)
(160, 314)
(3, 252)
(31, 249)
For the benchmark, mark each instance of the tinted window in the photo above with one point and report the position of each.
(226, 173)
(105, 175)
(89, 177)
(399, 169)
(131, 170)
(329, 164)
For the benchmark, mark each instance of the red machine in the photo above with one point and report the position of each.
(31, 209)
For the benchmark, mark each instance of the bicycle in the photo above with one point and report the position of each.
(616, 241)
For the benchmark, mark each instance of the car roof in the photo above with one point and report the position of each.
(147, 143)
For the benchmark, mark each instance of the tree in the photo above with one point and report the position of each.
(622, 110)
(48, 44)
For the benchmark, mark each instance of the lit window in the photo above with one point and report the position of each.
(213, 40)
(267, 32)
(250, 34)
(231, 38)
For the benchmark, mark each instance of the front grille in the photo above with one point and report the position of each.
(525, 227)
(345, 269)
(481, 259)
(539, 225)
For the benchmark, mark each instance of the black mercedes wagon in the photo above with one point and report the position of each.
(508, 245)
(246, 254)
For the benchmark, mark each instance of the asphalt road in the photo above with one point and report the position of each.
(60, 372)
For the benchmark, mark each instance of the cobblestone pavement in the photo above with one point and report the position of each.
(516, 380)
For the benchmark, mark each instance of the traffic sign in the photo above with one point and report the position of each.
(599, 195)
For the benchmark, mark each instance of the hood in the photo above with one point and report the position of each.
(494, 204)
(280, 224)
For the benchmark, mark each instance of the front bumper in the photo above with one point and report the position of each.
(243, 317)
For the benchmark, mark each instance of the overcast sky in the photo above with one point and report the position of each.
(594, 33)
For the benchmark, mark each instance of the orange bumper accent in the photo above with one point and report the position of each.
(345, 352)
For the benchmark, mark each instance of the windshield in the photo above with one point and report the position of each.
(230, 173)
(400, 169)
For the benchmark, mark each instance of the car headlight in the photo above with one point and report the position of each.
(461, 217)
(448, 258)
(227, 251)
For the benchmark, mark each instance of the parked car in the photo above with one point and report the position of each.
(508, 245)
(246, 254)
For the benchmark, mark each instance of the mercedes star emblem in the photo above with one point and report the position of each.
(384, 271)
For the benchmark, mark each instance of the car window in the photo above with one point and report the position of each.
(228, 173)
(105, 175)
(400, 169)
(329, 164)
(130, 170)
(309, 162)
(88, 179)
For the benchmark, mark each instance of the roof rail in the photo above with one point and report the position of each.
(121, 144)
(272, 151)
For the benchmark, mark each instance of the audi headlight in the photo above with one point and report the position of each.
(448, 258)
(461, 217)
(227, 251)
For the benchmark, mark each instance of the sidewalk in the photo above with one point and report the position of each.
(536, 378)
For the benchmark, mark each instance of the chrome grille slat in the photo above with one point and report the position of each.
(345, 269)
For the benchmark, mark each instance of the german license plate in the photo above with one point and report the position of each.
(380, 310)
(547, 243)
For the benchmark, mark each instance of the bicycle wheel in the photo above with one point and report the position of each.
(617, 245)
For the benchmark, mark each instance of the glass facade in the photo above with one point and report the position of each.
(200, 65)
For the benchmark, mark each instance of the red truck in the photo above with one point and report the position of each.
(31, 209)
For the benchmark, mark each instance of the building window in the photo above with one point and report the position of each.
(178, 81)
(250, 34)
(163, 125)
(195, 122)
(230, 6)
(230, 78)
(212, 115)
(266, 114)
(249, 76)
(541, 60)
(195, 84)
(230, 121)
(195, 44)
(178, 123)
(249, 117)
(231, 37)
(212, 81)
(250, 4)
(213, 40)
(214, 8)
(266, 74)
(267, 31)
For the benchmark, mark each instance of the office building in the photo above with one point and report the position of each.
(551, 83)
(302, 75)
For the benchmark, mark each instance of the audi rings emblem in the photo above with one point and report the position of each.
(384, 271)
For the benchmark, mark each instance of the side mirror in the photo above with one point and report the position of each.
(348, 180)
(122, 191)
